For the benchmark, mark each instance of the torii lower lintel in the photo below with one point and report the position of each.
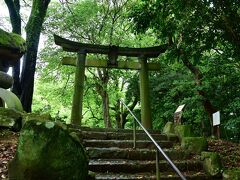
(72, 61)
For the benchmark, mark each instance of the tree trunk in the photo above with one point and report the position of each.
(209, 108)
(101, 88)
(33, 30)
(117, 109)
(105, 105)
(14, 12)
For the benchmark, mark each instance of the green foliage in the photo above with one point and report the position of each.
(90, 22)
(206, 33)
(195, 30)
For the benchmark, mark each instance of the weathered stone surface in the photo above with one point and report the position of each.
(36, 116)
(169, 128)
(169, 131)
(194, 144)
(231, 174)
(47, 151)
(183, 131)
(12, 47)
(10, 118)
(6, 80)
(15, 119)
(10, 99)
(211, 163)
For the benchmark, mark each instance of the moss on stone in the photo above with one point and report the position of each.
(91, 175)
(231, 174)
(12, 41)
(36, 116)
(211, 163)
(48, 153)
(183, 131)
(10, 118)
(194, 144)
(169, 128)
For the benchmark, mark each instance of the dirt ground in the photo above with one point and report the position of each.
(229, 152)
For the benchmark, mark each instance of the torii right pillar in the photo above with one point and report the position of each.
(144, 94)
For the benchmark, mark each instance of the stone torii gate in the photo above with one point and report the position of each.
(113, 52)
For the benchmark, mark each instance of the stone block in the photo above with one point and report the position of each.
(211, 163)
(194, 144)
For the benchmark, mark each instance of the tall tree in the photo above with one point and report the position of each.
(193, 29)
(14, 11)
(23, 86)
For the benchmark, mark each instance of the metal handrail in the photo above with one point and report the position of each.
(154, 142)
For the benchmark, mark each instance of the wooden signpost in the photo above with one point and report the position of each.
(113, 52)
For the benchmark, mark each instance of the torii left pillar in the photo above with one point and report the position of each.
(77, 105)
(144, 94)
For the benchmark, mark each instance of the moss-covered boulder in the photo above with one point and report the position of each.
(211, 163)
(10, 118)
(183, 131)
(231, 174)
(194, 144)
(47, 151)
(12, 47)
(6, 80)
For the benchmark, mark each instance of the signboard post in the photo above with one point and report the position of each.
(178, 114)
(216, 123)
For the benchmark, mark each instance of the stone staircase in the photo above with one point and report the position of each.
(111, 155)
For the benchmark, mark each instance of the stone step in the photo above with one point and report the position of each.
(118, 136)
(84, 128)
(133, 154)
(125, 143)
(190, 175)
(138, 166)
(111, 155)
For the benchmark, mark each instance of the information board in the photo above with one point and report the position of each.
(216, 118)
(180, 108)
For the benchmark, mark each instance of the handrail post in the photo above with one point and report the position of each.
(134, 134)
(157, 165)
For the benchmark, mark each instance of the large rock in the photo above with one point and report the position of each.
(6, 80)
(47, 151)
